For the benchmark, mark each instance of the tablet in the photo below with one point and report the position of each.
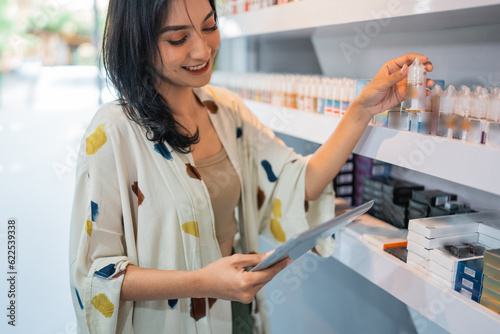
(300, 244)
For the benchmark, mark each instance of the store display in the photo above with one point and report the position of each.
(444, 226)
(467, 293)
(472, 269)
(415, 103)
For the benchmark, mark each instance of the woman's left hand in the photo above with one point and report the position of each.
(388, 88)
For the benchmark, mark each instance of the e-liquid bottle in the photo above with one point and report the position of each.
(463, 114)
(416, 96)
(346, 93)
(328, 96)
(446, 123)
(320, 105)
(307, 93)
(493, 130)
(478, 123)
(314, 94)
(336, 96)
(436, 93)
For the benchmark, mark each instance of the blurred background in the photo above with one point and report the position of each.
(51, 85)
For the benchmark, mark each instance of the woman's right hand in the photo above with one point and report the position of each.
(227, 279)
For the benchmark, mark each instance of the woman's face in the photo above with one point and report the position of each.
(188, 43)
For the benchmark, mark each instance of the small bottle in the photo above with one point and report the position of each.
(436, 93)
(307, 93)
(291, 97)
(300, 92)
(463, 114)
(314, 94)
(446, 122)
(493, 130)
(416, 96)
(328, 97)
(345, 96)
(320, 107)
(336, 97)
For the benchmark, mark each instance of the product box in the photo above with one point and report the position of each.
(472, 269)
(419, 250)
(417, 266)
(491, 294)
(433, 197)
(417, 210)
(418, 260)
(399, 190)
(492, 305)
(474, 296)
(491, 283)
(442, 281)
(445, 259)
(467, 282)
(431, 243)
(443, 226)
(438, 211)
(390, 240)
(491, 272)
(488, 241)
(442, 272)
(492, 258)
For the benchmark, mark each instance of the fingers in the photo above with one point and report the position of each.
(264, 276)
(430, 83)
(398, 63)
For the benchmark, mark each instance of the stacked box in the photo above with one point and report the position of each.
(428, 236)
(344, 183)
(469, 279)
(491, 280)
(366, 168)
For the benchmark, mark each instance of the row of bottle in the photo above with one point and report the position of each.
(229, 7)
(324, 95)
(468, 115)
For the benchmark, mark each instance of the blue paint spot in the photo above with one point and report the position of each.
(79, 300)
(95, 210)
(172, 302)
(105, 272)
(239, 132)
(163, 150)
(269, 171)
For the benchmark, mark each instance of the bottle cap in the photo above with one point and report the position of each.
(437, 91)
(416, 72)
(448, 101)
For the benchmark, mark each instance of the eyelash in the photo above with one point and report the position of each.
(179, 42)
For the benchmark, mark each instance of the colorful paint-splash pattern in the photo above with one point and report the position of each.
(191, 228)
(276, 228)
(102, 304)
(96, 140)
(269, 171)
(137, 191)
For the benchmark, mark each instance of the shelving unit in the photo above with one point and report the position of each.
(427, 154)
(446, 307)
(326, 24)
(322, 16)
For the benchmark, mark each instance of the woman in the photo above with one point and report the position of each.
(165, 170)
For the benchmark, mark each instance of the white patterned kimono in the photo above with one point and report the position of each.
(139, 202)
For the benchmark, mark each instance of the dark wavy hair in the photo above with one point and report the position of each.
(130, 47)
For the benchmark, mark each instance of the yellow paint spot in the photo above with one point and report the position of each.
(88, 227)
(277, 231)
(277, 208)
(96, 140)
(191, 228)
(102, 304)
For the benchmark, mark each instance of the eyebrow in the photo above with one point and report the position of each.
(184, 27)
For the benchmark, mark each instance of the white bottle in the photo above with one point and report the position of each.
(446, 123)
(436, 93)
(416, 96)
(493, 130)
(463, 114)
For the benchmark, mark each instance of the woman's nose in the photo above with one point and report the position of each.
(201, 49)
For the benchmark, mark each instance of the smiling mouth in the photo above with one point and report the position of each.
(196, 68)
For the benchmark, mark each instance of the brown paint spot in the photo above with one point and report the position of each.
(293, 161)
(138, 193)
(192, 172)
(211, 106)
(306, 205)
(199, 308)
(260, 198)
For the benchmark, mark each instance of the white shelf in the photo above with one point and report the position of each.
(446, 307)
(321, 16)
(472, 165)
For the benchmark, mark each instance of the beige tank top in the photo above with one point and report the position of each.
(223, 186)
